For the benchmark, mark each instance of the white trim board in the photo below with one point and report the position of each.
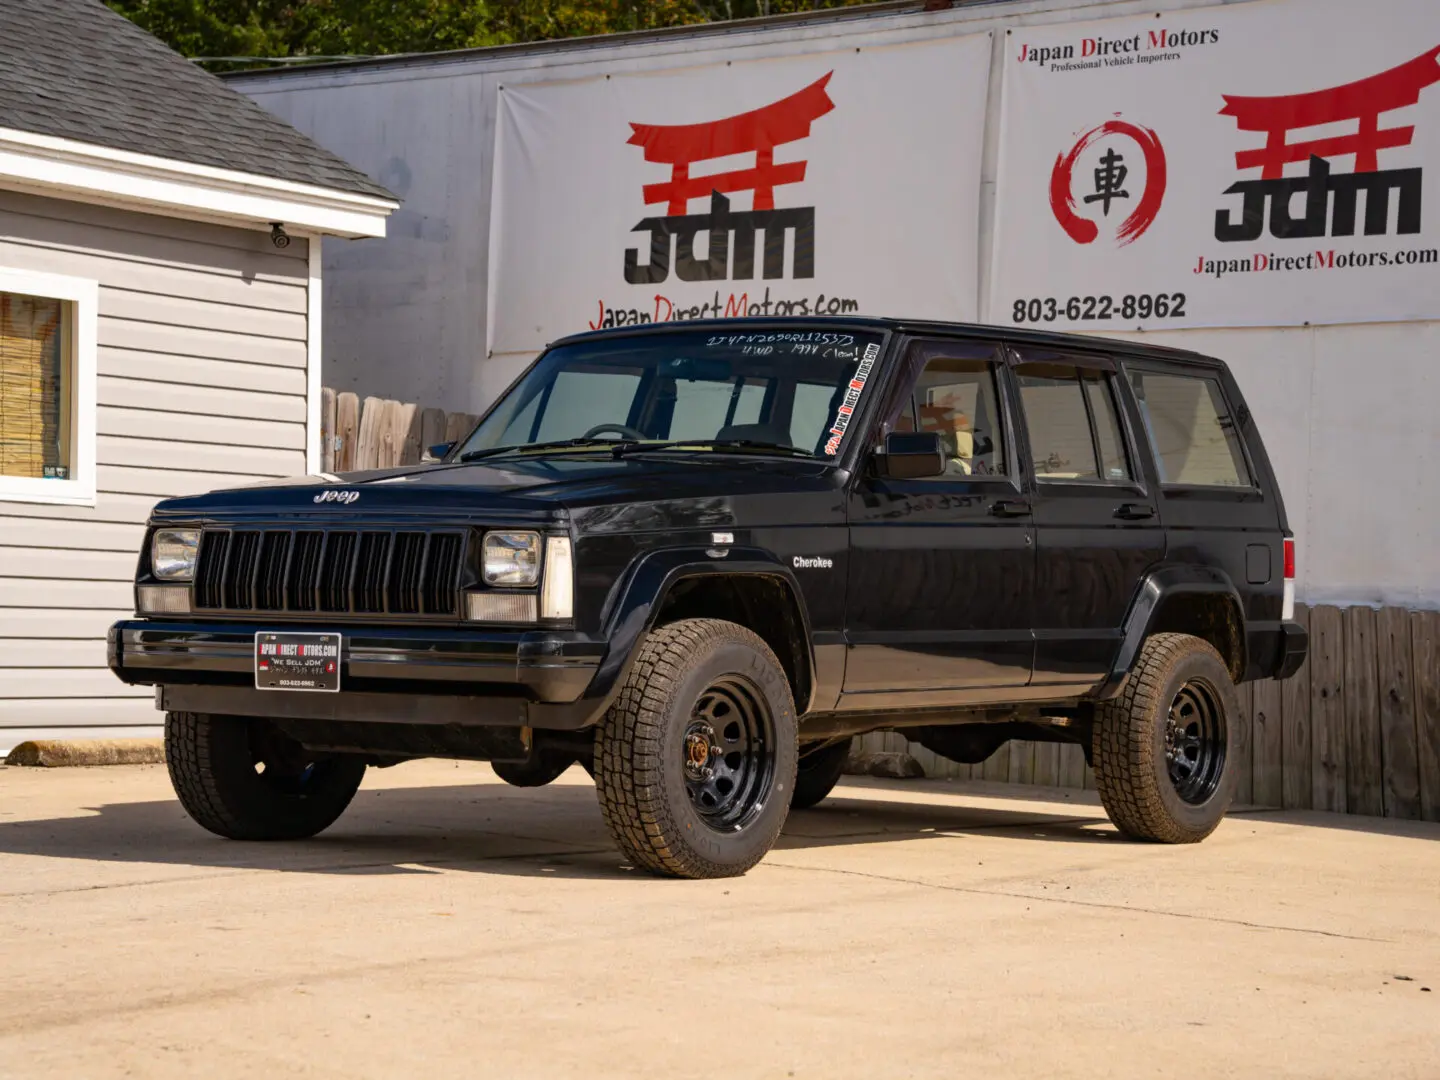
(313, 392)
(84, 294)
(47, 165)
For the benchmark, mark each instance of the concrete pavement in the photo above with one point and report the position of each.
(451, 926)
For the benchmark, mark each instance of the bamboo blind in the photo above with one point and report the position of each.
(34, 412)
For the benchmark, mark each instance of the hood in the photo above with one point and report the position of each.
(516, 489)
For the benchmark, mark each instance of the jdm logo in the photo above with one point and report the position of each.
(1110, 185)
(1330, 198)
(680, 146)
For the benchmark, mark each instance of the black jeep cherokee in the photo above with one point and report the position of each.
(697, 560)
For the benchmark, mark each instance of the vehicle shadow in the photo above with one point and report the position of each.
(490, 828)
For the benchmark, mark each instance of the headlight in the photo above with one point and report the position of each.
(173, 553)
(512, 558)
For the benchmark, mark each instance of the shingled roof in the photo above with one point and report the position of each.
(74, 69)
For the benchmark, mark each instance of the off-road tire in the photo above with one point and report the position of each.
(639, 752)
(212, 768)
(1129, 739)
(539, 771)
(819, 772)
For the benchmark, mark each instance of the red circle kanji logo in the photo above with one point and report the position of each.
(1110, 179)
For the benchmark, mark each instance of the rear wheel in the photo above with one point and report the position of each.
(695, 762)
(818, 774)
(242, 778)
(1161, 749)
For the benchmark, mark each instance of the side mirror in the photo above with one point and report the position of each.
(911, 455)
(436, 452)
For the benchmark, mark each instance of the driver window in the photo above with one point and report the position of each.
(579, 399)
(956, 399)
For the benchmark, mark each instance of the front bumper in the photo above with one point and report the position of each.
(429, 675)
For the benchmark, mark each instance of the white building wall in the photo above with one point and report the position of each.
(202, 384)
(1346, 411)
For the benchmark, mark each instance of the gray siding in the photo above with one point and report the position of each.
(201, 384)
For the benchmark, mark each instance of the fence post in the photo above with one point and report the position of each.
(1296, 754)
(1327, 709)
(1243, 746)
(1362, 722)
(1399, 744)
(367, 443)
(1425, 636)
(432, 428)
(458, 425)
(1267, 744)
(327, 429)
(347, 431)
(407, 435)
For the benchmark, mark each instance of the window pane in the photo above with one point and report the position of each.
(956, 398)
(810, 413)
(582, 399)
(1060, 441)
(701, 406)
(1192, 434)
(1107, 427)
(35, 406)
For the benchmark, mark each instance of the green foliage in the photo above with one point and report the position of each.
(300, 28)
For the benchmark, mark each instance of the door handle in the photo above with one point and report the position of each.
(1010, 508)
(1134, 512)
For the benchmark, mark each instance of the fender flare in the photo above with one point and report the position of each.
(635, 605)
(1158, 586)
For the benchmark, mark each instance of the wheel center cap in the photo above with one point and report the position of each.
(699, 746)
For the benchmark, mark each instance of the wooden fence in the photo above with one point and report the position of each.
(1357, 730)
(381, 434)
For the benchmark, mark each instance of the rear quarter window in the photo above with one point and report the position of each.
(1190, 429)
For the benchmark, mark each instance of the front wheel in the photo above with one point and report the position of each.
(1161, 750)
(241, 778)
(695, 762)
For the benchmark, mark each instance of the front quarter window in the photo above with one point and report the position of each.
(795, 391)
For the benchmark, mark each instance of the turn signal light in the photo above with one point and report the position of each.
(162, 599)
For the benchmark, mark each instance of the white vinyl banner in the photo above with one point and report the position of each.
(828, 184)
(1273, 163)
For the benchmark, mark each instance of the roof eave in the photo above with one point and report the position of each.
(45, 164)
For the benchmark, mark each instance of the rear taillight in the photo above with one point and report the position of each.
(1287, 607)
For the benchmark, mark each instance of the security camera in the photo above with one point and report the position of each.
(278, 236)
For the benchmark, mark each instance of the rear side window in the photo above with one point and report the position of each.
(1190, 429)
(1074, 430)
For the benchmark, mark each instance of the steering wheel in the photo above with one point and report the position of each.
(628, 432)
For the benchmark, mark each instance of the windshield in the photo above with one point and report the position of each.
(790, 389)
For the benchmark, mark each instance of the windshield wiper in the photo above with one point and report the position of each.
(554, 444)
(715, 444)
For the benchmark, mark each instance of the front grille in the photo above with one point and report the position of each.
(331, 571)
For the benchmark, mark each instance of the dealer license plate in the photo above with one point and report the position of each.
(297, 661)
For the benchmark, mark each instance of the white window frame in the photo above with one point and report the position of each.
(83, 297)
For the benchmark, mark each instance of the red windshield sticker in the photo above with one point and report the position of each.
(852, 398)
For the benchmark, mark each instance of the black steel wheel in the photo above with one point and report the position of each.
(1195, 741)
(1161, 748)
(728, 751)
(243, 779)
(695, 761)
